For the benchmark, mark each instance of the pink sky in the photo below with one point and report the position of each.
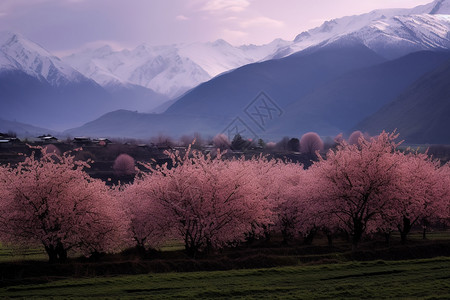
(64, 25)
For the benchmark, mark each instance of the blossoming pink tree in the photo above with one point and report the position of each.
(357, 182)
(310, 143)
(51, 149)
(124, 165)
(420, 193)
(221, 141)
(53, 202)
(209, 203)
(148, 225)
(444, 212)
(312, 214)
(275, 180)
(286, 183)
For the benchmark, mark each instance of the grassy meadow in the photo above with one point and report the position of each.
(411, 279)
(309, 273)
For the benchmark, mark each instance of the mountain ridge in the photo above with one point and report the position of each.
(420, 113)
(195, 63)
(37, 87)
(201, 83)
(19, 53)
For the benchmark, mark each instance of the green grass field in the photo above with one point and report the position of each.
(413, 279)
(342, 279)
(8, 254)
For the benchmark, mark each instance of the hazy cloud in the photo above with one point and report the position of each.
(262, 22)
(226, 5)
(181, 18)
(62, 25)
(116, 46)
(233, 35)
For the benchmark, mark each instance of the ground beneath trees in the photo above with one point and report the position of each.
(424, 279)
(260, 254)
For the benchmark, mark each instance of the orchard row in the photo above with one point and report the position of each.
(210, 202)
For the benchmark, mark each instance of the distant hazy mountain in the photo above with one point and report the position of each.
(174, 69)
(344, 101)
(285, 80)
(134, 97)
(19, 54)
(123, 123)
(210, 107)
(37, 87)
(421, 113)
(327, 80)
(170, 70)
(24, 130)
(325, 105)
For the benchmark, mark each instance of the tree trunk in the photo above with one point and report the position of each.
(286, 238)
(62, 252)
(267, 235)
(209, 248)
(330, 240)
(406, 229)
(140, 249)
(56, 254)
(387, 238)
(52, 254)
(424, 232)
(191, 247)
(95, 256)
(329, 235)
(346, 235)
(425, 224)
(310, 237)
(357, 233)
(191, 251)
(287, 233)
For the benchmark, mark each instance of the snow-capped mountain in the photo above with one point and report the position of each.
(339, 73)
(400, 35)
(219, 56)
(19, 53)
(146, 66)
(37, 87)
(170, 70)
(389, 32)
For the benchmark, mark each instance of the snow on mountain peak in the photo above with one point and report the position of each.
(402, 34)
(327, 26)
(422, 27)
(103, 51)
(11, 39)
(221, 43)
(302, 36)
(169, 69)
(384, 26)
(19, 53)
(433, 8)
(441, 7)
